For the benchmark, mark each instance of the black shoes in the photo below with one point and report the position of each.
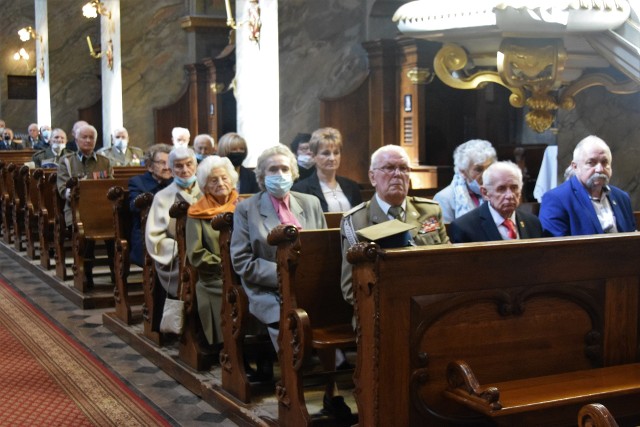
(337, 408)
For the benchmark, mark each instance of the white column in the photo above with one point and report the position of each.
(112, 115)
(42, 64)
(257, 80)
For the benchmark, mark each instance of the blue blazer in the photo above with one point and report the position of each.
(567, 210)
(144, 183)
(478, 226)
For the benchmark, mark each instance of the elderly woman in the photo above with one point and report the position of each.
(217, 179)
(234, 147)
(463, 194)
(161, 228)
(336, 193)
(253, 258)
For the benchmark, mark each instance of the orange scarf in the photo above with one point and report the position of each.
(207, 207)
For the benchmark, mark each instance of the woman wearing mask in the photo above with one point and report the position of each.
(463, 194)
(49, 157)
(217, 179)
(253, 258)
(300, 148)
(336, 193)
(234, 147)
(161, 228)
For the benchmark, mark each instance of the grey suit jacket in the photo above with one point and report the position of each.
(254, 260)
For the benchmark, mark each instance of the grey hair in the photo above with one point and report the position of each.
(388, 149)
(261, 171)
(180, 131)
(181, 153)
(118, 129)
(150, 154)
(474, 151)
(214, 162)
(206, 137)
(591, 139)
(505, 166)
(93, 129)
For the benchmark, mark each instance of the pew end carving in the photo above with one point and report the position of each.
(60, 231)
(595, 415)
(119, 198)
(309, 273)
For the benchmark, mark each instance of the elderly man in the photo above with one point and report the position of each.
(50, 156)
(85, 164)
(180, 137)
(71, 144)
(156, 178)
(33, 136)
(121, 153)
(45, 138)
(389, 175)
(203, 146)
(586, 203)
(499, 218)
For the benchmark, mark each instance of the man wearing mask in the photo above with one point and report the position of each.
(301, 148)
(50, 157)
(234, 147)
(180, 137)
(121, 153)
(7, 140)
(203, 146)
(45, 137)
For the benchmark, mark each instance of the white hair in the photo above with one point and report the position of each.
(177, 131)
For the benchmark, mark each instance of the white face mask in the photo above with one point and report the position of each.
(56, 148)
(121, 144)
(305, 160)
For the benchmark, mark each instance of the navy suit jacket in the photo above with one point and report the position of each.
(567, 210)
(144, 183)
(311, 185)
(248, 183)
(478, 226)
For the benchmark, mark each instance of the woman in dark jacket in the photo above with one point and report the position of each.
(336, 193)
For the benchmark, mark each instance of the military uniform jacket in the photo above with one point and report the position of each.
(47, 155)
(131, 157)
(425, 214)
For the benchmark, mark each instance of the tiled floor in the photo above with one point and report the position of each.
(180, 406)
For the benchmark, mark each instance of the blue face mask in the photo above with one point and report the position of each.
(200, 157)
(278, 185)
(474, 186)
(184, 183)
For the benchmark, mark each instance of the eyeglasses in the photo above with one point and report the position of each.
(390, 169)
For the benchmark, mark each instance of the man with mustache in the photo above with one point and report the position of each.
(585, 203)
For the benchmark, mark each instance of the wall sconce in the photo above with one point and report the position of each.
(254, 22)
(93, 8)
(98, 54)
(22, 54)
(27, 33)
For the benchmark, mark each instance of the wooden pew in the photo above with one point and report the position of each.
(333, 219)
(595, 415)
(517, 313)
(7, 158)
(128, 171)
(190, 350)
(44, 209)
(119, 198)
(31, 210)
(314, 315)
(17, 191)
(234, 316)
(90, 220)
(143, 204)
(60, 232)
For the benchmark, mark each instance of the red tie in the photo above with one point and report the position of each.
(511, 227)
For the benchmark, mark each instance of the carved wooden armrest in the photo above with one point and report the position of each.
(222, 221)
(297, 337)
(362, 252)
(595, 415)
(465, 388)
(282, 233)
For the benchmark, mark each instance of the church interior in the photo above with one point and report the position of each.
(531, 77)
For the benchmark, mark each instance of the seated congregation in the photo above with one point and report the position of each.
(256, 258)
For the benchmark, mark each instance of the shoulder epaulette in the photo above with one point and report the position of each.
(355, 209)
(416, 199)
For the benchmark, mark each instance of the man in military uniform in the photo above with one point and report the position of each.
(121, 153)
(389, 175)
(50, 156)
(85, 164)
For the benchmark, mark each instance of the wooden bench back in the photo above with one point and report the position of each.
(90, 206)
(333, 219)
(19, 157)
(512, 310)
(128, 171)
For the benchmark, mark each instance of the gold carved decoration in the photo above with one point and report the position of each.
(531, 70)
(420, 76)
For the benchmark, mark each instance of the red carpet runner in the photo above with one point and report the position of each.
(47, 379)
